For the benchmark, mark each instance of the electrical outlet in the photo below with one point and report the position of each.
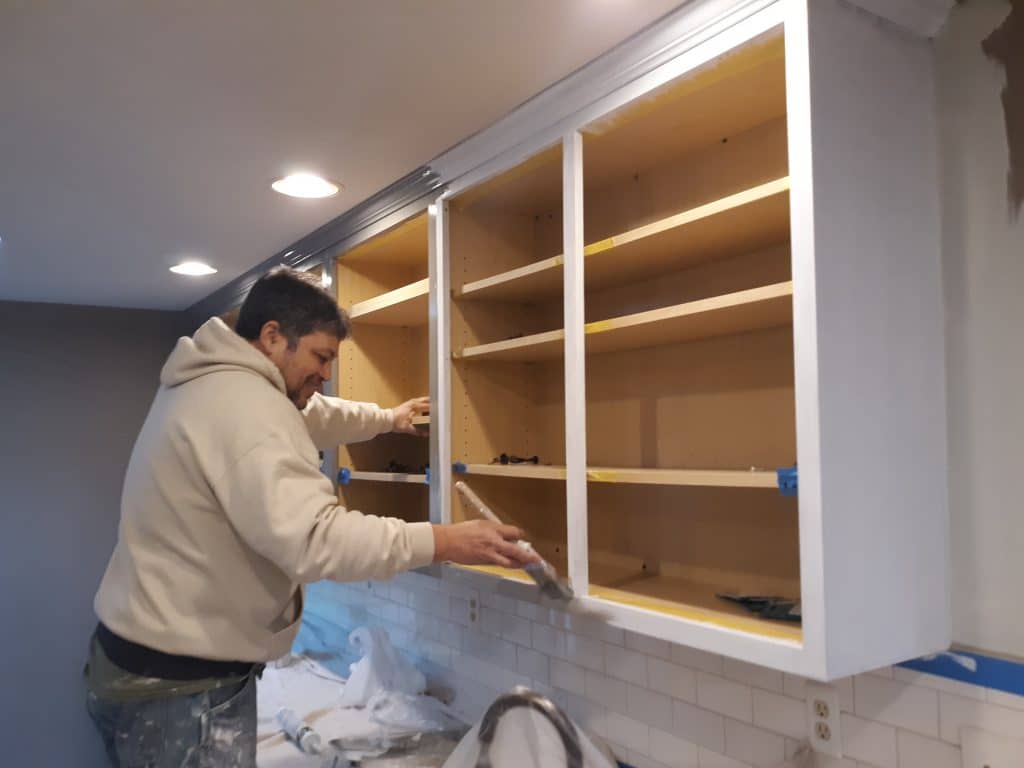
(823, 719)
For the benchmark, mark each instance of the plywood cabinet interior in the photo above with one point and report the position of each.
(634, 318)
(382, 285)
(507, 398)
(693, 284)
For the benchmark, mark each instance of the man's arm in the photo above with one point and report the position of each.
(332, 421)
(285, 510)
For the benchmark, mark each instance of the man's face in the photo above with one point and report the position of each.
(304, 368)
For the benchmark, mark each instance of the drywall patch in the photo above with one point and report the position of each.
(1006, 46)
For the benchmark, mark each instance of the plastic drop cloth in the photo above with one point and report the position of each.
(380, 669)
(380, 705)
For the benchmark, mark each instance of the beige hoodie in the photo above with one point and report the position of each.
(225, 513)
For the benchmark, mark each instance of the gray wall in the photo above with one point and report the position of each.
(983, 254)
(75, 386)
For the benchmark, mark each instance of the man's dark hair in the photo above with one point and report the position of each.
(296, 301)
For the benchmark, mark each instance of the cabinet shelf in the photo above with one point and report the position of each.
(405, 306)
(720, 478)
(535, 347)
(693, 601)
(769, 306)
(527, 471)
(754, 218)
(388, 477)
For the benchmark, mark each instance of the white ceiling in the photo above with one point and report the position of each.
(138, 133)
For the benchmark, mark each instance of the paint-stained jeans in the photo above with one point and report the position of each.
(212, 729)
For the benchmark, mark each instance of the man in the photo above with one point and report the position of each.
(225, 514)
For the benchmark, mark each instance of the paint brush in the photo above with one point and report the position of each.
(542, 572)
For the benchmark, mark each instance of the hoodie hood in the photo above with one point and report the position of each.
(215, 348)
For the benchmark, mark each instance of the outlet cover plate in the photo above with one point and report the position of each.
(819, 694)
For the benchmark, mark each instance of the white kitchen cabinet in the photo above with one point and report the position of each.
(725, 267)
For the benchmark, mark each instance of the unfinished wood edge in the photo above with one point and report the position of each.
(724, 301)
(388, 477)
(523, 471)
(715, 478)
(497, 347)
(391, 299)
(509, 276)
(727, 203)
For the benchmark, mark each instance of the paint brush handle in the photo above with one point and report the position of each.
(476, 502)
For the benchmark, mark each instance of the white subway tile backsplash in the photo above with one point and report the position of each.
(752, 745)
(955, 712)
(459, 611)
(752, 675)
(607, 691)
(916, 751)
(890, 701)
(631, 733)
(707, 758)
(725, 697)
(649, 707)
(533, 664)
(568, 676)
(780, 714)
(590, 715)
(490, 649)
(672, 679)
(845, 688)
(637, 760)
(531, 611)
(794, 686)
(869, 742)
(1003, 699)
(491, 599)
(649, 646)
(672, 751)
(506, 625)
(704, 728)
(585, 651)
(548, 640)
(626, 665)
(662, 705)
(924, 680)
(696, 659)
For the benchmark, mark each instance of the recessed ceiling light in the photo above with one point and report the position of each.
(305, 185)
(193, 269)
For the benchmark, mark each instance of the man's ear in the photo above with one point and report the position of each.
(270, 335)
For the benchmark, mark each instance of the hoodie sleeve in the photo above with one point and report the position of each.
(285, 510)
(332, 421)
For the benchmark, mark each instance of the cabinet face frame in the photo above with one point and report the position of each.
(764, 649)
(818, 654)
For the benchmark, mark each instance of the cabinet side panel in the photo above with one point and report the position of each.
(881, 376)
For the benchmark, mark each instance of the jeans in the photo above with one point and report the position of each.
(212, 729)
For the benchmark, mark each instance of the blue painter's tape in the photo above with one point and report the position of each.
(459, 467)
(998, 674)
(344, 475)
(787, 480)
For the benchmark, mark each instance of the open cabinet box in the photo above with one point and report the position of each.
(382, 285)
(689, 337)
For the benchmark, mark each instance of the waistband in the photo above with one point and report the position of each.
(147, 662)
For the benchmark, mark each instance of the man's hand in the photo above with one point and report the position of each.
(404, 413)
(481, 542)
